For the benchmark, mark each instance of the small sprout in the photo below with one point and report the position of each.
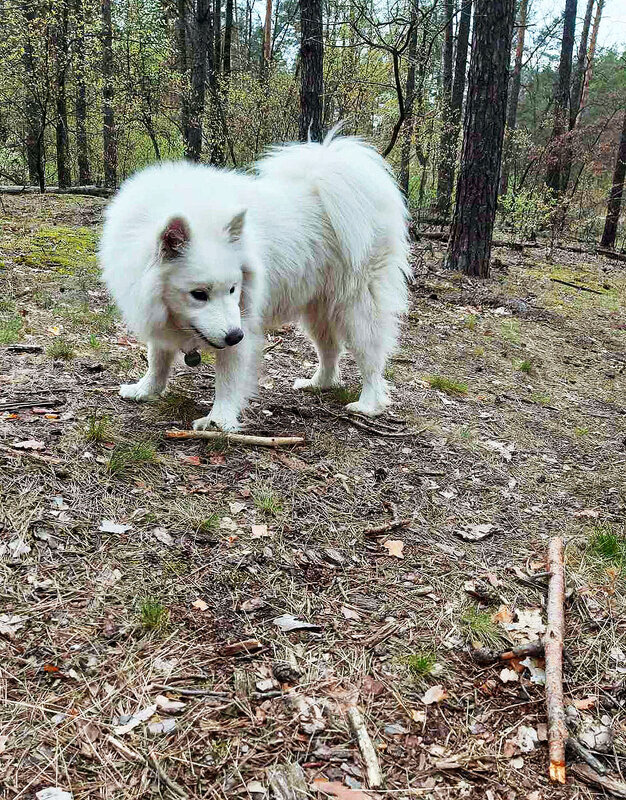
(581, 431)
(126, 456)
(480, 628)
(525, 366)
(98, 428)
(390, 373)
(267, 501)
(446, 385)
(510, 330)
(608, 545)
(209, 524)
(478, 351)
(471, 321)
(94, 342)
(153, 614)
(61, 349)
(420, 664)
(541, 398)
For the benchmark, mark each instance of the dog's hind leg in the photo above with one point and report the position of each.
(154, 381)
(236, 370)
(322, 331)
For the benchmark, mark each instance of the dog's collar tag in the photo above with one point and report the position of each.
(192, 358)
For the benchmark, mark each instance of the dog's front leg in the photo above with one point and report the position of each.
(154, 381)
(235, 382)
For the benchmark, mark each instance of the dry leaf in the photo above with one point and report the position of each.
(417, 715)
(200, 605)
(162, 535)
(193, 460)
(509, 676)
(53, 793)
(259, 530)
(136, 719)
(336, 789)
(537, 673)
(394, 547)
(526, 738)
(473, 533)
(29, 444)
(108, 526)
(434, 695)
(349, 613)
(587, 512)
(287, 622)
(503, 614)
(10, 624)
(236, 507)
(504, 449)
(3, 743)
(163, 726)
(170, 706)
(585, 704)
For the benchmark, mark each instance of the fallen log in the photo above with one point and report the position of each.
(484, 655)
(88, 191)
(601, 251)
(553, 647)
(238, 438)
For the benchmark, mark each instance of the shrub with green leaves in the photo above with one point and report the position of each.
(526, 212)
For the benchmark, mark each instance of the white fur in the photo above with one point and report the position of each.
(323, 240)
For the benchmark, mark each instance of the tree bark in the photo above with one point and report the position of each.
(108, 93)
(267, 38)
(405, 158)
(477, 188)
(217, 36)
(447, 153)
(82, 150)
(196, 58)
(554, 173)
(35, 113)
(615, 198)
(61, 124)
(311, 70)
(581, 67)
(456, 102)
(584, 97)
(515, 84)
(228, 37)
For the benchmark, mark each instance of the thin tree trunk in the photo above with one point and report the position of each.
(82, 150)
(617, 190)
(456, 101)
(267, 37)
(405, 158)
(217, 36)
(311, 70)
(108, 127)
(200, 37)
(584, 97)
(561, 100)
(581, 67)
(515, 86)
(477, 189)
(35, 114)
(447, 154)
(183, 69)
(62, 136)
(228, 36)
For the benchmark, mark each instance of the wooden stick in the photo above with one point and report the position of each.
(165, 778)
(576, 286)
(590, 776)
(576, 747)
(238, 438)
(374, 775)
(387, 526)
(484, 655)
(553, 646)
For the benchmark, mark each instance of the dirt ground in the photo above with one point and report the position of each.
(132, 567)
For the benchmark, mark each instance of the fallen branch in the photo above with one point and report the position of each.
(24, 348)
(165, 778)
(576, 747)
(288, 782)
(601, 251)
(553, 646)
(246, 646)
(192, 692)
(88, 191)
(392, 525)
(370, 759)
(591, 777)
(483, 655)
(576, 286)
(12, 405)
(374, 428)
(238, 438)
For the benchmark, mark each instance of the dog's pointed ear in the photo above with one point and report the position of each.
(234, 229)
(175, 237)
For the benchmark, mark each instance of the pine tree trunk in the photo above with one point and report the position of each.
(35, 115)
(108, 127)
(409, 101)
(514, 90)
(228, 37)
(615, 198)
(456, 104)
(447, 153)
(581, 67)
(200, 36)
(477, 188)
(267, 38)
(554, 173)
(61, 125)
(584, 97)
(82, 149)
(311, 70)
(217, 36)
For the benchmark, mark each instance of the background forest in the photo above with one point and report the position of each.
(90, 92)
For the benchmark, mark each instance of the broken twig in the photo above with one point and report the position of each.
(370, 759)
(484, 655)
(576, 747)
(238, 438)
(553, 645)
(576, 286)
(590, 776)
(387, 526)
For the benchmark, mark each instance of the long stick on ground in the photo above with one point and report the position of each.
(238, 438)
(374, 775)
(553, 645)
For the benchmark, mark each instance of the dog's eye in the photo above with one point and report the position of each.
(232, 290)
(200, 294)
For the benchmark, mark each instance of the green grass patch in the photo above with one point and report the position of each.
(446, 385)
(98, 428)
(471, 321)
(607, 545)
(541, 398)
(209, 524)
(420, 664)
(480, 628)
(525, 366)
(11, 329)
(66, 250)
(343, 394)
(152, 614)
(267, 501)
(510, 330)
(127, 456)
(61, 349)
(581, 431)
(82, 317)
(176, 406)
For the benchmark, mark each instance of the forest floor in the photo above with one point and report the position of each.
(133, 566)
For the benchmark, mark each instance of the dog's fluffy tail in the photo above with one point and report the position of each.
(358, 193)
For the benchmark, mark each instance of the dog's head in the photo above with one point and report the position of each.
(202, 279)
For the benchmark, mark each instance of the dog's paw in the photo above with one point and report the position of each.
(313, 383)
(304, 383)
(368, 409)
(138, 392)
(219, 421)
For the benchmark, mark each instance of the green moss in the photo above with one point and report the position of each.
(65, 250)
(10, 329)
(446, 385)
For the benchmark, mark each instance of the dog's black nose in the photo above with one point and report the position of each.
(233, 337)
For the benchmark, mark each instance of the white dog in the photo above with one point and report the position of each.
(197, 257)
